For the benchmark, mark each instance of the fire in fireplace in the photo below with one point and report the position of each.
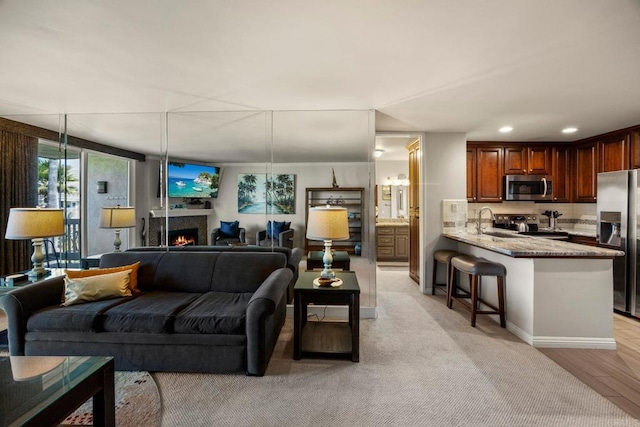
(184, 237)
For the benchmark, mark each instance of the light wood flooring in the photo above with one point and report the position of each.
(613, 374)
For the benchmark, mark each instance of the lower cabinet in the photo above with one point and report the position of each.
(392, 242)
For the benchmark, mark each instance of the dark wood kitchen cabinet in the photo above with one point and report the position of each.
(527, 160)
(489, 174)
(471, 174)
(586, 172)
(634, 138)
(614, 153)
(561, 174)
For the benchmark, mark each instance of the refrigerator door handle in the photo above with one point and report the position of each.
(544, 183)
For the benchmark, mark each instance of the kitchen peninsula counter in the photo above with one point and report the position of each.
(558, 294)
(513, 245)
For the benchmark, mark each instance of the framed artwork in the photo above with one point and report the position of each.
(386, 192)
(260, 193)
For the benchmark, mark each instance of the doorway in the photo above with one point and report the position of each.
(394, 248)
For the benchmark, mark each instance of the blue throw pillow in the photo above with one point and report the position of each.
(275, 228)
(229, 229)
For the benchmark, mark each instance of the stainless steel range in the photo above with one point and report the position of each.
(527, 225)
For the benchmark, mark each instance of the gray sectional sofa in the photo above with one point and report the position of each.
(199, 311)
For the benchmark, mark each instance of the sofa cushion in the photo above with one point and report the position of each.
(96, 288)
(236, 272)
(82, 317)
(274, 228)
(214, 313)
(148, 263)
(185, 272)
(152, 312)
(229, 229)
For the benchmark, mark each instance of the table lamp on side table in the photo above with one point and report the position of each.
(327, 224)
(35, 224)
(117, 217)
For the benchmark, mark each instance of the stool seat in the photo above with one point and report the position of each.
(442, 256)
(477, 266)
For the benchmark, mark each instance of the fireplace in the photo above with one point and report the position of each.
(183, 237)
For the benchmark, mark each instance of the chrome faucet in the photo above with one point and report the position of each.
(486, 208)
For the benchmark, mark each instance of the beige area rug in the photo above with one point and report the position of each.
(421, 364)
(137, 403)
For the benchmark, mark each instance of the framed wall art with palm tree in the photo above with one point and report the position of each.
(261, 193)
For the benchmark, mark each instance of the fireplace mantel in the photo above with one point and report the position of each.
(161, 213)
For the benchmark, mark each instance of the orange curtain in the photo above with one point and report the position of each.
(18, 188)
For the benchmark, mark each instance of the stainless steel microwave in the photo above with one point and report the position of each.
(528, 187)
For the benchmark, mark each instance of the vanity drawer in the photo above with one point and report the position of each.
(385, 241)
(385, 252)
(384, 230)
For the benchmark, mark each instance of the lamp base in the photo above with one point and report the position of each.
(38, 274)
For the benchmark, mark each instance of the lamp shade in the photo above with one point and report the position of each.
(327, 224)
(24, 368)
(117, 217)
(34, 223)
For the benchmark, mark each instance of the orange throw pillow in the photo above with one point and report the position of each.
(133, 277)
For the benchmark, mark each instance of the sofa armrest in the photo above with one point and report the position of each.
(285, 238)
(243, 235)
(260, 235)
(214, 235)
(296, 257)
(264, 302)
(19, 304)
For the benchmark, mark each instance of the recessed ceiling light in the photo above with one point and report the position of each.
(505, 129)
(570, 130)
(378, 152)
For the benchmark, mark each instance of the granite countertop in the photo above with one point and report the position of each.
(381, 222)
(509, 243)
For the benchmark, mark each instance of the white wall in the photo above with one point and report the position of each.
(443, 176)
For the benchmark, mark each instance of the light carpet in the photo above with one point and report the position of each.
(421, 364)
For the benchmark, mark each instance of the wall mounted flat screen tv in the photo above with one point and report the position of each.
(190, 180)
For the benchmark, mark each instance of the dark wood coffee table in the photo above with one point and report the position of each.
(340, 260)
(342, 338)
(29, 396)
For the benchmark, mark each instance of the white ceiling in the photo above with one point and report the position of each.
(433, 66)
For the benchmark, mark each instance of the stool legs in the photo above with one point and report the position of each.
(474, 298)
(503, 321)
(435, 271)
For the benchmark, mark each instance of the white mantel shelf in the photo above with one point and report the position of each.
(161, 213)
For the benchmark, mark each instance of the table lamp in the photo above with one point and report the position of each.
(117, 217)
(35, 224)
(327, 224)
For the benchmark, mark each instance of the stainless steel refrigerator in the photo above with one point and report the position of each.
(617, 228)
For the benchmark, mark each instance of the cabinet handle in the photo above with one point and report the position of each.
(524, 171)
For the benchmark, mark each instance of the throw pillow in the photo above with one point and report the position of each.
(96, 288)
(133, 279)
(229, 229)
(274, 228)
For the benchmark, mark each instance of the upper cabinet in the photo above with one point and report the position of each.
(586, 172)
(471, 174)
(532, 160)
(561, 173)
(614, 153)
(634, 136)
(489, 174)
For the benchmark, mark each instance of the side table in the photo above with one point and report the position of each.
(304, 335)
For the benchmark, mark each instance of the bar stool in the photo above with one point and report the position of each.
(442, 257)
(476, 268)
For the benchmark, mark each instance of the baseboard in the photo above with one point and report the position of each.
(575, 342)
(561, 342)
(334, 312)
